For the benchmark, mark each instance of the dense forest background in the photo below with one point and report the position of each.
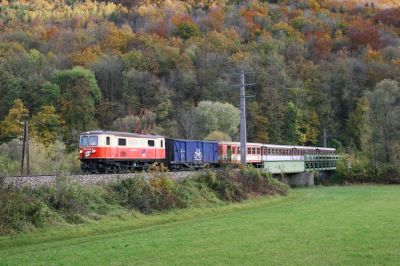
(166, 67)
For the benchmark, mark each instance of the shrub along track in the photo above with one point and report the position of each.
(34, 181)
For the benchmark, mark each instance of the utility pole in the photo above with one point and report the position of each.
(325, 137)
(243, 128)
(25, 149)
(28, 168)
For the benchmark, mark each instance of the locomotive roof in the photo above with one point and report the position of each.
(121, 134)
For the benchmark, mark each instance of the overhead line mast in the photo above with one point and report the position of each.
(243, 126)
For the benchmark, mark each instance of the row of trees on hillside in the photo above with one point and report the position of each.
(164, 67)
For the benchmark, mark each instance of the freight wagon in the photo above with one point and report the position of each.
(192, 154)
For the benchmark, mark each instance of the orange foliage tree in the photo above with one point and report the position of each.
(362, 34)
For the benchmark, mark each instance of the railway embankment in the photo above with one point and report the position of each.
(27, 203)
(35, 181)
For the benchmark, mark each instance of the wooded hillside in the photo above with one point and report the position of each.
(70, 66)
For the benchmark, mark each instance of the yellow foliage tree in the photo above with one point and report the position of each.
(11, 126)
(218, 135)
(86, 56)
(118, 39)
(46, 125)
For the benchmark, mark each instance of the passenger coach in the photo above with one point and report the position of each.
(229, 152)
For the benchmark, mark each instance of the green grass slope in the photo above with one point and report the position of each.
(357, 225)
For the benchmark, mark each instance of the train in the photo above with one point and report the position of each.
(103, 151)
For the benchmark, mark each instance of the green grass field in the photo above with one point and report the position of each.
(355, 225)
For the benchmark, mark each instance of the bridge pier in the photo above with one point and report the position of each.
(305, 179)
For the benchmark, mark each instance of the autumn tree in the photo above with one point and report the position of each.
(47, 125)
(10, 90)
(311, 130)
(79, 95)
(362, 34)
(216, 116)
(11, 126)
(358, 125)
(218, 136)
(384, 118)
(144, 123)
(257, 123)
(292, 128)
(187, 30)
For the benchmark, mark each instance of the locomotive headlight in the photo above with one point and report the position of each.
(93, 151)
(81, 151)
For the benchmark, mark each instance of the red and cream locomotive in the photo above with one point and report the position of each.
(106, 151)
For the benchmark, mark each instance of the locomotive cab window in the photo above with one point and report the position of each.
(107, 140)
(150, 143)
(121, 142)
(84, 141)
(93, 140)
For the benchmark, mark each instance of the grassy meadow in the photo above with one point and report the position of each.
(354, 225)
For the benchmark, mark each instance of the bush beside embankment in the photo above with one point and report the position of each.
(25, 209)
(356, 168)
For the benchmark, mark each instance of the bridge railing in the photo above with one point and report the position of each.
(320, 162)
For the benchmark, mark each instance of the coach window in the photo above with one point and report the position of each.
(122, 142)
(248, 150)
(233, 150)
(253, 150)
(162, 143)
(150, 143)
(238, 150)
(107, 140)
(258, 151)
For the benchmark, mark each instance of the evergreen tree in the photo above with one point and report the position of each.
(291, 130)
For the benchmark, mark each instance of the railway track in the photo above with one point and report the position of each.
(84, 178)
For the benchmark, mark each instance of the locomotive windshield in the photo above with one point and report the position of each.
(84, 141)
(92, 140)
(88, 141)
